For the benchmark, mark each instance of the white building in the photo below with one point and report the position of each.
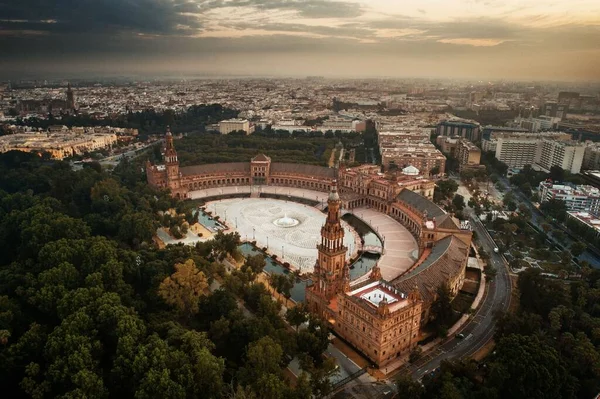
(544, 149)
(567, 155)
(591, 157)
(577, 198)
(233, 125)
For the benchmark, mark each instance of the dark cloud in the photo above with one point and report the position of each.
(106, 16)
(106, 34)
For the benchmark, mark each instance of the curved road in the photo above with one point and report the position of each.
(480, 328)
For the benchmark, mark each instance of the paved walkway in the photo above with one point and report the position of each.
(399, 245)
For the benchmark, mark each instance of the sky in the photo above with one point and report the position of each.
(473, 39)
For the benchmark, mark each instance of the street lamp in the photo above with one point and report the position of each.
(282, 253)
(253, 236)
(236, 222)
(267, 242)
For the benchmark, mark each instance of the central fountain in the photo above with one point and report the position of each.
(286, 221)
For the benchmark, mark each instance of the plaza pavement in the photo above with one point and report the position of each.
(399, 244)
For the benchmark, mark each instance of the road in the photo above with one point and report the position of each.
(480, 328)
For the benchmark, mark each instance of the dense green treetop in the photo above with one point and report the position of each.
(89, 307)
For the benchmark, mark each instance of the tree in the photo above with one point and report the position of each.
(226, 244)
(490, 272)
(409, 388)
(434, 171)
(441, 309)
(446, 188)
(546, 227)
(557, 174)
(297, 315)
(262, 358)
(282, 283)
(415, 354)
(525, 367)
(577, 248)
(458, 201)
(554, 208)
(254, 264)
(184, 288)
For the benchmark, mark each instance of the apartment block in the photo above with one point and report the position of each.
(580, 198)
(234, 125)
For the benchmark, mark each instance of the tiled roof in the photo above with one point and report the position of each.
(261, 158)
(443, 263)
(215, 168)
(311, 170)
(420, 203)
(446, 222)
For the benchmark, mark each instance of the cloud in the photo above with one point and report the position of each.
(304, 8)
(473, 42)
(166, 32)
(107, 16)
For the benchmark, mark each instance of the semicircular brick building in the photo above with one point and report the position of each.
(380, 318)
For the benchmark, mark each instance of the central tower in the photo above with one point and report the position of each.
(331, 274)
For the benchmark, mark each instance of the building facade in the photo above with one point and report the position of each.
(580, 198)
(520, 149)
(467, 153)
(234, 125)
(467, 130)
(374, 317)
(567, 155)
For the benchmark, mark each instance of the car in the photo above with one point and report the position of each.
(460, 336)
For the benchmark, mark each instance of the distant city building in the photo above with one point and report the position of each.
(541, 123)
(49, 105)
(410, 147)
(235, 125)
(467, 153)
(592, 177)
(70, 98)
(554, 109)
(519, 149)
(424, 157)
(586, 219)
(591, 157)
(580, 198)
(567, 97)
(468, 130)
(59, 142)
(490, 131)
(567, 155)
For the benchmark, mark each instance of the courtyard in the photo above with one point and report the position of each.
(287, 229)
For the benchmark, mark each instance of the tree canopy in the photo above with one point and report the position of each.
(90, 307)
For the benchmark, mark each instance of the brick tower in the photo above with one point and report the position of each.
(331, 274)
(172, 167)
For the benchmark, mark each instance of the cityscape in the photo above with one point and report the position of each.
(300, 199)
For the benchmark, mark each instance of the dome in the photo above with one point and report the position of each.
(410, 171)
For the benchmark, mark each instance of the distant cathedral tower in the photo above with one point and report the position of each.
(331, 274)
(70, 97)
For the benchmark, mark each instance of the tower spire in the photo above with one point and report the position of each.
(170, 153)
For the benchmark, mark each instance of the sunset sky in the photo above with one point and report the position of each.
(512, 39)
